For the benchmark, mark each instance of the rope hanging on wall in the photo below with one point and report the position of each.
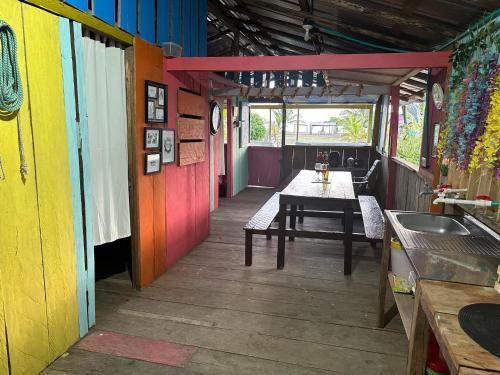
(11, 89)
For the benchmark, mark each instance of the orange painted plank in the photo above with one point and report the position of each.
(191, 152)
(190, 129)
(150, 193)
(189, 103)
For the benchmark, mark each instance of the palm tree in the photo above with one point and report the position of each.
(353, 122)
(291, 118)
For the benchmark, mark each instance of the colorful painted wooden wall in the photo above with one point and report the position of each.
(187, 188)
(181, 21)
(38, 291)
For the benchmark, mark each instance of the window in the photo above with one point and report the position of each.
(411, 125)
(311, 124)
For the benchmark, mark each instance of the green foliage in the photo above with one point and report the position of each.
(257, 127)
(291, 118)
(354, 122)
(409, 142)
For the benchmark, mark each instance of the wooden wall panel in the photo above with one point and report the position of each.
(72, 132)
(85, 155)
(83, 5)
(150, 190)
(53, 176)
(105, 10)
(21, 273)
(190, 129)
(163, 21)
(128, 16)
(187, 187)
(190, 104)
(191, 153)
(147, 20)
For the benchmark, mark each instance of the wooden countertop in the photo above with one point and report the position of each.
(441, 302)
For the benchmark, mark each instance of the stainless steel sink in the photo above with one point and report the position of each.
(431, 224)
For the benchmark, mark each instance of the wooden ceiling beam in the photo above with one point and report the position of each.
(215, 7)
(304, 6)
(390, 15)
(334, 23)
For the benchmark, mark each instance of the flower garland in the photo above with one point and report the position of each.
(487, 150)
(470, 135)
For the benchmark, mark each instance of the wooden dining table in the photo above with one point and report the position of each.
(332, 199)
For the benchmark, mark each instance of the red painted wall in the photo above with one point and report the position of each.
(264, 166)
(186, 188)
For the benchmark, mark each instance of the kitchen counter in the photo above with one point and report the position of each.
(471, 259)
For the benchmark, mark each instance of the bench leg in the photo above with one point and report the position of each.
(301, 217)
(248, 248)
(348, 216)
(293, 219)
(281, 237)
(384, 271)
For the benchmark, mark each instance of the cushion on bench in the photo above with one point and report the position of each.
(373, 219)
(265, 216)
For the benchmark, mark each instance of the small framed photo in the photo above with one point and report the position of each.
(161, 96)
(152, 90)
(156, 99)
(152, 163)
(167, 146)
(159, 115)
(152, 138)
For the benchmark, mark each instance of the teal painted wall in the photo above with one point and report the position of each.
(240, 164)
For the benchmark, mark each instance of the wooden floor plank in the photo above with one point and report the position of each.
(306, 319)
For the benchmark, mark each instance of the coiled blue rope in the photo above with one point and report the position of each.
(11, 89)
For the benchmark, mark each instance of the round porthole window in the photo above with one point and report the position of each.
(215, 117)
(437, 95)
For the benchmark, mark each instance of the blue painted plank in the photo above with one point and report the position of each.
(176, 21)
(74, 168)
(105, 10)
(186, 29)
(194, 29)
(83, 5)
(203, 12)
(163, 21)
(128, 16)
(84, 136)
(147, 20)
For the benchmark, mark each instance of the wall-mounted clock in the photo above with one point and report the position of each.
(215, 117)
(437, 95)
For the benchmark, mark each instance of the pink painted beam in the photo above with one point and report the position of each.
(140, 348)
(309, 62)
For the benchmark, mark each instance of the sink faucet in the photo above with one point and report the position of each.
(427, 190)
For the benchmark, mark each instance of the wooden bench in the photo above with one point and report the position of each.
(260, 223)
(373, 219)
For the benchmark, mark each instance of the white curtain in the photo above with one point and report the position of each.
(107, 122)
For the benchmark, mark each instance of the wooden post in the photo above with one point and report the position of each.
(393, 144)
(230, 170)
(283, 136)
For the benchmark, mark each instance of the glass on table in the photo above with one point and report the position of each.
(318, 167)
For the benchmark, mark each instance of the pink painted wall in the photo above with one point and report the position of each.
(264, 166)
(186, 188)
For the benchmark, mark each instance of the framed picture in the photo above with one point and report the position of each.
(152, 163)
(435, 139)
(167, 146)
(151, 138)
(161, 96)
(156, 102)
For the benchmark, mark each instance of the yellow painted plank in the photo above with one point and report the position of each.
(53, 176)
(4, 365)
(21, 274)
(58, 7)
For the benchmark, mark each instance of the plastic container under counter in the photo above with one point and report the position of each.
(399, 261)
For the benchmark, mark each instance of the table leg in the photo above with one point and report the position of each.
(348, 217)
(301, 217)
(281, 236)
(293, 219)
(419, 336)
(384, 271)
